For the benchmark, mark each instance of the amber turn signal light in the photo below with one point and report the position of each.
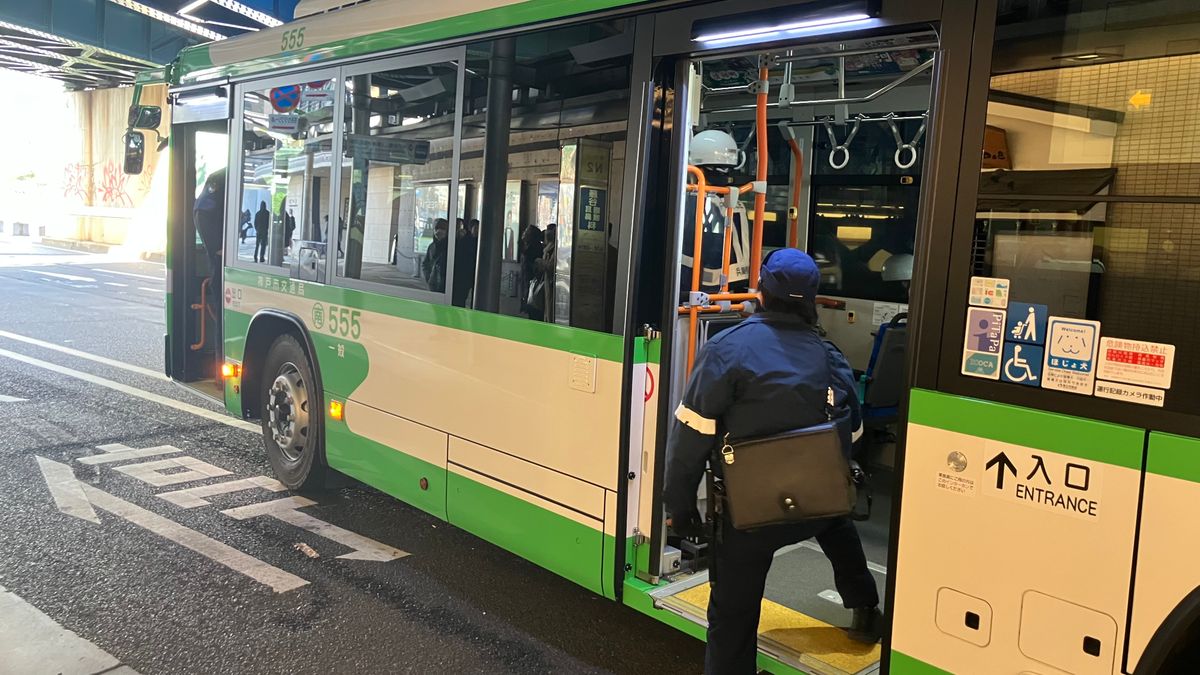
(335, 410)
(230, 370)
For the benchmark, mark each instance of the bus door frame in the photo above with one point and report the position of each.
(193, 109)
(940, 179)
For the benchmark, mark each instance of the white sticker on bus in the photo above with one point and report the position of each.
(1131, 393)
(1136, 362)
(1043, 480)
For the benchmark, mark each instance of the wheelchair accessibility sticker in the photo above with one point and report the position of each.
(1070, 360)
(1022, 364)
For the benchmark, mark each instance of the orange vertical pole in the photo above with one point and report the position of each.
(726, 246)
(760, 198)
(797, 184)
(697, 262)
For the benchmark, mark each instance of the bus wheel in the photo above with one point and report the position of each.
(290, 416)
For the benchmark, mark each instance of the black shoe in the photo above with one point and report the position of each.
(867, 625)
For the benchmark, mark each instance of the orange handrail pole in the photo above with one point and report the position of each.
(797, 184)
(697, 262)
(760, 198)
(202, 307)
(725, 246)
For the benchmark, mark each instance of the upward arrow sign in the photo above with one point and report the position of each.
(1002, 462)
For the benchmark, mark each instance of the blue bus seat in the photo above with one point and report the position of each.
(883, 381)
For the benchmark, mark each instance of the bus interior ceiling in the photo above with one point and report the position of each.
(848, 193)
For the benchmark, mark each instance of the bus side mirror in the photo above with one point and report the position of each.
(144, 116)
(135, 152)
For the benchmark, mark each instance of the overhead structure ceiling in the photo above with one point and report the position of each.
(92, 44)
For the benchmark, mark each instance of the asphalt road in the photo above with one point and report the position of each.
(119, 565)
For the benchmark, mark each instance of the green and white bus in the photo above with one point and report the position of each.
(1004, 196)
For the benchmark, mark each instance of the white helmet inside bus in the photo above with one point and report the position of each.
(715, 149)
(898, 267)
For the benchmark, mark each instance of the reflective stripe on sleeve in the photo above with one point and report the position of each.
(693, 419)
(857, 433)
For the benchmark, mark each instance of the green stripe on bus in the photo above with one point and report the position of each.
(1174, 456)
(518, 329)
(529, 12)
(1053, 432)
(903, 664)
(394, 472)
(567, 548)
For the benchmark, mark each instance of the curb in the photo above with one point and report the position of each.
(97, 247)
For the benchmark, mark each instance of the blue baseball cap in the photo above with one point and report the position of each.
(790, 273)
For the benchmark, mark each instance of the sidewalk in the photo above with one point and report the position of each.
(97, 247)
(32, 643)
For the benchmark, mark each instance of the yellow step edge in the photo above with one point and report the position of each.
(800, 633)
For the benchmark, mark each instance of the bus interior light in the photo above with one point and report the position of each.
(776, 24)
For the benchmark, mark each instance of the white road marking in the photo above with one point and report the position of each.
(814, 546)
(11, 399)
(830, 595)
(134, 391)
(116, 452)
(152, 290)
(84, 355)
(67, 489)
(152, 472)
(285, 509)
(68, 277)
(126, 274)
(190, 498)
(113, 283)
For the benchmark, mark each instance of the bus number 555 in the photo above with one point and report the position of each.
(344, 322)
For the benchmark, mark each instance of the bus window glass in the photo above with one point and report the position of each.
(1089, 196)
(285, 172)
(549, 216)
(397, 170)
(866, 211)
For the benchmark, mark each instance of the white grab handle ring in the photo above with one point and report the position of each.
(845, 154)
(901, 146)
(912, 158)
(844, 146)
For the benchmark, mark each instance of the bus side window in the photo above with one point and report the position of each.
(394, 227)
(281, 201)
(551, 223)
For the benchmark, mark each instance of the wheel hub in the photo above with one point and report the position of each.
(287, 409)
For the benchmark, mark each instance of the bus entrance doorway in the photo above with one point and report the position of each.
(196, 229)
(830, 141)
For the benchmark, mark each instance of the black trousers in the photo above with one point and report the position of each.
(738, 575)
(260, 244)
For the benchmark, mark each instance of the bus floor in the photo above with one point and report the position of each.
(802, 616)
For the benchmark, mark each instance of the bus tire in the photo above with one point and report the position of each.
(291, 415)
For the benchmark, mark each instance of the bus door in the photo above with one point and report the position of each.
(200, 142)
(831, 138)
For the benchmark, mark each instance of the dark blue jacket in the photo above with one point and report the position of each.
(769, 374)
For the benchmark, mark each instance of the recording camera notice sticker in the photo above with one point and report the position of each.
(1136, 362)
(1130, 393)
(989, 292)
